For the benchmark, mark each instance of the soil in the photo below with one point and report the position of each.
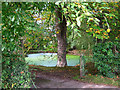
(61, 78)
(67, 72)
(56, 80)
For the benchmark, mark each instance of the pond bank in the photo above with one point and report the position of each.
(70, 52)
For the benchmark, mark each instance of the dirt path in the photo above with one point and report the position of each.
(45, 81)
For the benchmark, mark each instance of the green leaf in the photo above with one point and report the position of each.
(79, 34)
(93, 4)
(73, 25)
(88, 14)
(99, 37)
(13, 18)
(58, 2)
(78, 21)
(12, 39)
(97, 20)
(104, 50)
(62, 4)
(3, 48)
(72, 15)
(68, 22)
(65, 9)
(7, 62)
(93, 35)
(77, 13)
(76, 29)
(85, 4)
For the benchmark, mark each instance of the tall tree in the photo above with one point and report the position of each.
(61, 29)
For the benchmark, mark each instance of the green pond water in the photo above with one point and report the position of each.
(50, 60)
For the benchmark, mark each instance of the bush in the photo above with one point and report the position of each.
(91, 69)
(107, 58)
(15, 73)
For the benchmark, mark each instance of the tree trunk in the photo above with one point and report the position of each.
(61, 29)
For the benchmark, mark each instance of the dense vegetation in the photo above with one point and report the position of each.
(26, 26)
(106, 60)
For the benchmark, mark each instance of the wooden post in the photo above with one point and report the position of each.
(82, 63)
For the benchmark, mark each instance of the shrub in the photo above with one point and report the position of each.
(15, 73)
(91, 69)
(107, 58)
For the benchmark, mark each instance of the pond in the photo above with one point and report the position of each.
(50, 59)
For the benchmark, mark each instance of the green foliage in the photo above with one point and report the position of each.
(106, 59)
(19, 32)
(87, 14)
(15, 17)
(15, 74)
(42, 35)
(98, 19)
(106, 15)
(19, 22)
(40, 40)
(83, 42)
(114, 23)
